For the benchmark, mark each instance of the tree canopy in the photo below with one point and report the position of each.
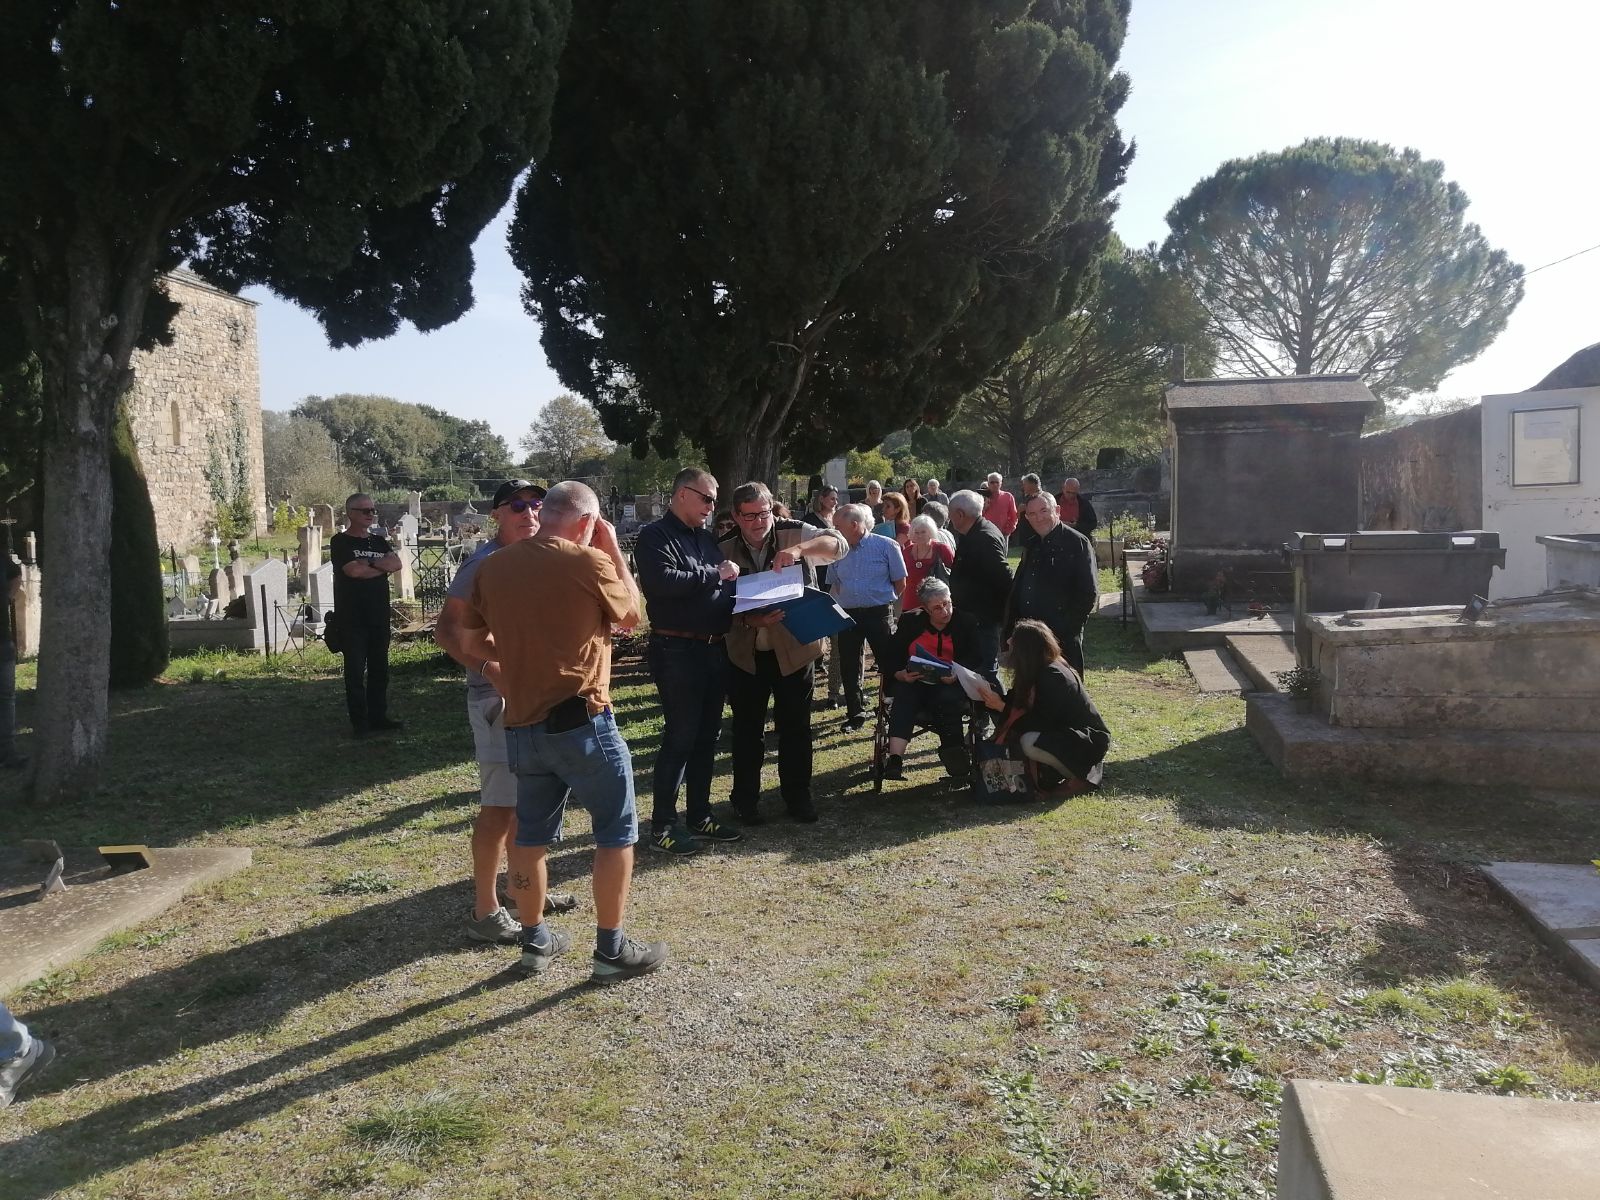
(344, 154)
(813, 221)
(388, 443)
(565, 433)
(1342, 255)
(1100, 368)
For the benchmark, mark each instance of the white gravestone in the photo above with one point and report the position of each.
(238, 573)
(310, 553)
(266, 601)
(319, 592)
(409, 528)
(414, 504)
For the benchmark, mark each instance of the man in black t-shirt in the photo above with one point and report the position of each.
(362, 564)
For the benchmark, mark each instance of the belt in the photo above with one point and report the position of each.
(712, 638)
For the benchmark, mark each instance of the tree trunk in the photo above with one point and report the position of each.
(744, 456)
(85, 358)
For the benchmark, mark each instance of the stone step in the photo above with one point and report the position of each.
(1562, 900)
(1215, 672)
(1261, 656)
(1343, 1141)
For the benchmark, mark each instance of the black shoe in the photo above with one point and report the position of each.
(675, 840)
(854, 722)
(894, 767)
(536, 958)
(637, 958)
(803, 811)
(386, 725)
(748, 814)
(712, 830)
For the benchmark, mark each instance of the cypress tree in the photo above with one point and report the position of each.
(139, 648)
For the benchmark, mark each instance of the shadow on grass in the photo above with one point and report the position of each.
(149, 1124)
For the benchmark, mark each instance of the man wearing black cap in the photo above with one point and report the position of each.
(516, 516)
(362, 563)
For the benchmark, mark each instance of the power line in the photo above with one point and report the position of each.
(1559, 261)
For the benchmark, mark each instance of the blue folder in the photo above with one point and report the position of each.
(814, 616)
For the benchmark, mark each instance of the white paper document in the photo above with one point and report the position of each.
(969, 682)
(766, 588)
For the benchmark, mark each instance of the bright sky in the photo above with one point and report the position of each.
(1503, 94)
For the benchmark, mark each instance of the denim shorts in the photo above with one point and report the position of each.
(593, 761)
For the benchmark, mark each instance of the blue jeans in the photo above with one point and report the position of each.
(692, 680)
(593, 761)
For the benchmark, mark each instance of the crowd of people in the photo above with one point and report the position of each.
(531, 617)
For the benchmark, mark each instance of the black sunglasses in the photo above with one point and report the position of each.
(519, 505)
(711, 500)
(364, 510)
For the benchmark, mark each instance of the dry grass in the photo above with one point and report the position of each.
(912, 998)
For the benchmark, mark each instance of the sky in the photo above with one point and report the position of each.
(1502, 94)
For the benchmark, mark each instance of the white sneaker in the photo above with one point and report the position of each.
(14, 1072)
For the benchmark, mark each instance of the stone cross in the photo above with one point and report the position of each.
(407, 578)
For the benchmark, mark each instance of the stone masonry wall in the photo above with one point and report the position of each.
(186, 396)
(1426, 476)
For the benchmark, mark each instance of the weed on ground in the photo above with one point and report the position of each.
(911, 998)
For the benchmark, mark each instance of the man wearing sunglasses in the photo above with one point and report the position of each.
(688, 589)
(362, 563)
(766, 662)
(516, 516)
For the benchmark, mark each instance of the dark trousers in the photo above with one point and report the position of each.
(871, 628)
(691, 678)
(939, 706)
(366, 672)
(791, 700)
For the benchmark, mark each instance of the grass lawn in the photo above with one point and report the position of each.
(912, 998)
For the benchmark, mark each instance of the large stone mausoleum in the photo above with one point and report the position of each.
(196, 410)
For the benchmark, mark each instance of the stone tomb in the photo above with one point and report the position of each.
(1253, 461)
(265, 625)
(1343, 1141)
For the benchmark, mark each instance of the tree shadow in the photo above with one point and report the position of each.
(152, 1123)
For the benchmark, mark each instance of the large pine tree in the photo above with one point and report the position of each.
(346, 154)
(810, 222)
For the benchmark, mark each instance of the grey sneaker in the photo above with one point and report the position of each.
(536, 958)
(637, 958)
(559, 902)
(22, 1067)
(499, 927)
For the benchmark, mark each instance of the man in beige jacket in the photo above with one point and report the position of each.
(766, 660)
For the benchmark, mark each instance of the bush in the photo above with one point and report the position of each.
(447, 491)
(139, 648)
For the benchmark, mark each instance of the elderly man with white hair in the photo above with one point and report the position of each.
(1056, 580)
(980, 577)
(1000, 509)
(866, 582)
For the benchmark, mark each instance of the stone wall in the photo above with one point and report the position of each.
(1426, 476)
(185, 400)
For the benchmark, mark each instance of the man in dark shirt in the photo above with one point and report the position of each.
(1056, 580)
(980, 578)
(688, 589)
(1076, 510)
(11, 589)
(362, 564)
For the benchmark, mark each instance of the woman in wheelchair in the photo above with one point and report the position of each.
(927, 696)
(1048, 714)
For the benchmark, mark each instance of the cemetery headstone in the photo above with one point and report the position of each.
(310, 552)
(407, 579)
(319, 592)
(409, 528)
(237, 574)
(219, 587)
(414, 504)
(266, 600)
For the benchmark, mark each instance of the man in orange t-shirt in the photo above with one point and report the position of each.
(538, 627)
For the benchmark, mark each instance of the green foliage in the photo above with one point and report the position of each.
(1342, 255)
(1099, 370)
(780, 226)
(565, 434)
(362, 883)
(437, 1123)
(139, 646)
(302, 464)
(862, 465)
(388, 443)
(286, 516)
(228, 473)
(1508, 1080)
(1399, 1005)
(447, 491)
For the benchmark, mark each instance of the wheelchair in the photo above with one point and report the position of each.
(970, 710)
